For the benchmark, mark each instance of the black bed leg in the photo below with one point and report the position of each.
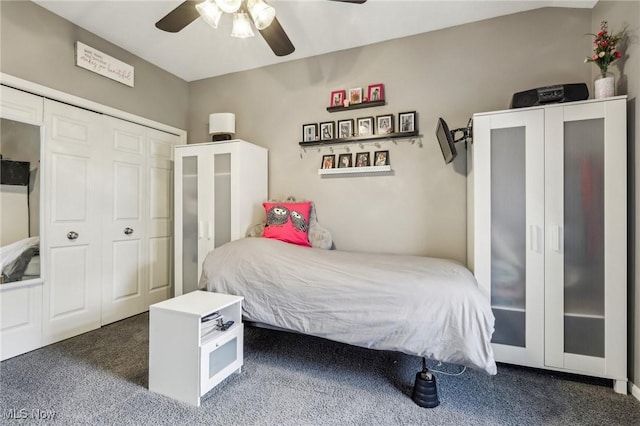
(425, 391)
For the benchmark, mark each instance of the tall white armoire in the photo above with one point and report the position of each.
(219, 191)
(548, 234)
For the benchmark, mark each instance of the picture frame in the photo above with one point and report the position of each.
(355, 95)
(345, 160)
(385, 124)
(338, 97)
(362, 159)
(407, 121)
(381, 158)
(365, 126)
(375, 92)
(328, 161)
(327, 130)
(309, 132)
(345, 128)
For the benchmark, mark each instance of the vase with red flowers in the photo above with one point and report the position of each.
(605, 52)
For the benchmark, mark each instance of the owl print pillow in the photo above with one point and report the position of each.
(288, 222)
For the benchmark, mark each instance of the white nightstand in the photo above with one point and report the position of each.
(186, 359)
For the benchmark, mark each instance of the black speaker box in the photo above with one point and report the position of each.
(550, 94)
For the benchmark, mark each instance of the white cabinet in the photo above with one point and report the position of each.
(219, 191)
(548, 238)
(187, 358)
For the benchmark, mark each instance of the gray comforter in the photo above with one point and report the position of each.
(416, 305)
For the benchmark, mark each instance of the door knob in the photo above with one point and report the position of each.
(72, 235)
(128, 231)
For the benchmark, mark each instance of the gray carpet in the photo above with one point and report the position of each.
(100, 378)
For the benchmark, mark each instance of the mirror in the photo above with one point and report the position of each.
(19, 201)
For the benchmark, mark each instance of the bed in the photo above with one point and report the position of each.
(20, 260)
(420, 306)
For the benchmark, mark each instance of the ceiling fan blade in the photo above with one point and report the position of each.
(277, 39)
(179, 17)
(351, 1)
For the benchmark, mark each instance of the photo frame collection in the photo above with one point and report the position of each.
(357, 95)
(359, 159)
(384, 124)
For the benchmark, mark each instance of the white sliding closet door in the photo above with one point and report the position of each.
(160, 215)
(124, 277)
(72, 221)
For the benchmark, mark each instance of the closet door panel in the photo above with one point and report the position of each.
(160, 215)
(124, 277)
(72, 212)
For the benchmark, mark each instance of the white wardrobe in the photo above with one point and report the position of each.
(107, 222)
(219, 191)
(548, 234)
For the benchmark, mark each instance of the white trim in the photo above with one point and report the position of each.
(634, 390)
(37, 89)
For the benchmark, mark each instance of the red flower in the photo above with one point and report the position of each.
(601, 33)
(617, 54)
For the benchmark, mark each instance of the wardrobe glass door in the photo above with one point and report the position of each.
(508, 235)
(584, 266)
(222, 199)
(189, 223)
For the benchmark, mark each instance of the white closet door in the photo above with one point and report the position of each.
(20, 106)
(124, 278)
(72, 221)
(160, 215)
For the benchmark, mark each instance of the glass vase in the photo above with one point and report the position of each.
(604, 86)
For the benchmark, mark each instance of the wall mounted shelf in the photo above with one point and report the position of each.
(360, 139)
(356, 106)
(355, 170)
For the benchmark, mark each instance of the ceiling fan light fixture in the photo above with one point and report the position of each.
(261, 13)
(210, 12)
(241, 26)
(229, 6)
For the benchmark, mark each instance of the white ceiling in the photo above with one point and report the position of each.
(314, 27)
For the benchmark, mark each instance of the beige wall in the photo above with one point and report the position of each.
(38, 46)
(452, 73)
(627, 72)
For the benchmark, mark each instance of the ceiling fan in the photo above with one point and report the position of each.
(262, 15)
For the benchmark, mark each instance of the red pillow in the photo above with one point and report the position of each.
(288, 222)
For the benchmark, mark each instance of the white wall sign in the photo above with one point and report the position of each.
(103, 64)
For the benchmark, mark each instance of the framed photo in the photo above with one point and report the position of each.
(365, 126)
(407, 121)
(384, 124)
(309, 132)
(381, 158)
(327, 130)
(328, 161)
(375, 92)
(355, 95)
(362, 159)
(345, 128)
(338, 97)
(344, 160)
